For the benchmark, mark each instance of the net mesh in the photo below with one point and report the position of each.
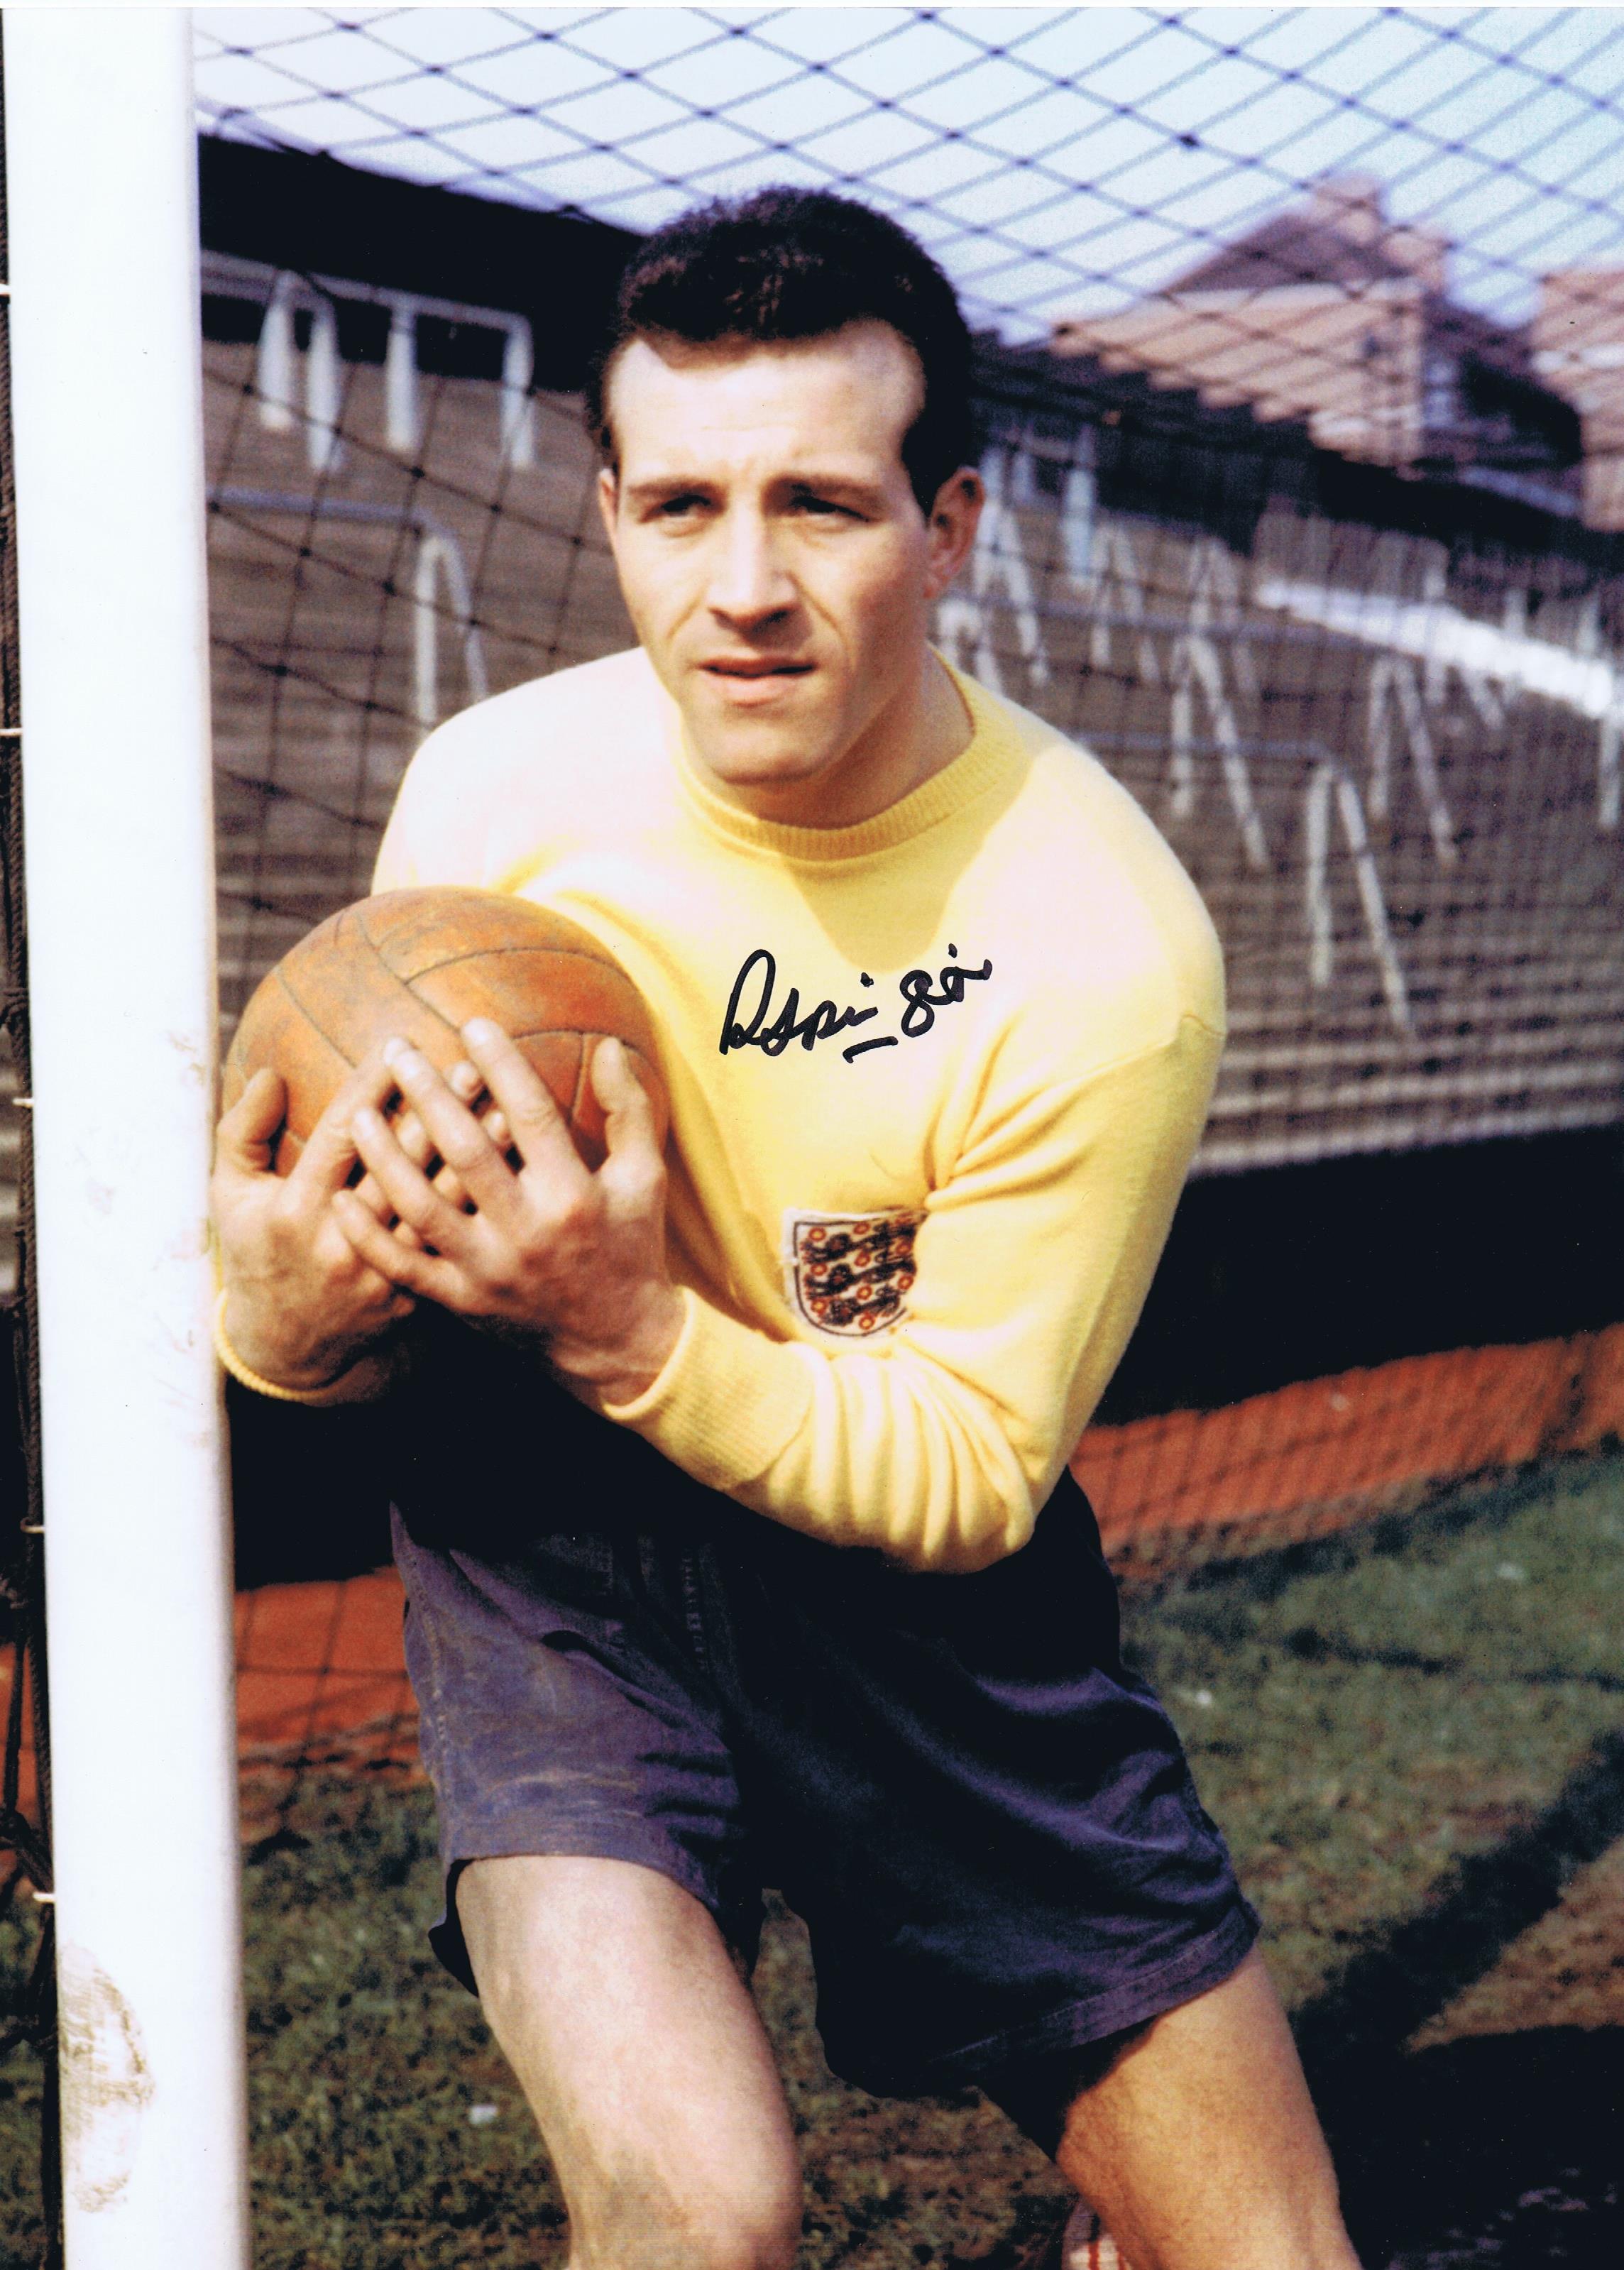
(1301, 378)
(1291, 517)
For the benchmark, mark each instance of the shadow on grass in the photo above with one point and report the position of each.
(1310, 1645)
(1500, 2149)
(1380, 1999)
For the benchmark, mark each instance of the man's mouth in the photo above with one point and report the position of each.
(753, 681)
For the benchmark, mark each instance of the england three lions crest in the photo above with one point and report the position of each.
(849, 1274)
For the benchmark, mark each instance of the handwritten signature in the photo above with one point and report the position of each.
(772, 1034)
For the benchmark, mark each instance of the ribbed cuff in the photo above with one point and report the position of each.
(344, 1389)
(727, 1402)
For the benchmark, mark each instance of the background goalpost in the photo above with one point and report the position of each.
(102, 179)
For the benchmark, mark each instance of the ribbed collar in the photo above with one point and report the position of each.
(994, 748)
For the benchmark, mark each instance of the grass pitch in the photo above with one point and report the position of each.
(1412, 1741)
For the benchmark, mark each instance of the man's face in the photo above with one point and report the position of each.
(773, 557)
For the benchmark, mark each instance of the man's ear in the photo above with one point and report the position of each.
(608, 496)
(954, 518)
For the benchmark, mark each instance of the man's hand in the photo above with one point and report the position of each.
(574, 1258)
(300, 1306)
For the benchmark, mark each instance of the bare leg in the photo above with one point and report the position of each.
(616, 2002)
(1199, 2146)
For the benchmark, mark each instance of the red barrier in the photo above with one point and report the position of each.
(320, 1681)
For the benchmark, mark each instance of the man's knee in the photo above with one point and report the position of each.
(1199, 2145)
(613, 1995)
(746, 2219)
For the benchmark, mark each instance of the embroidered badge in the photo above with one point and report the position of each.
(849, 1274)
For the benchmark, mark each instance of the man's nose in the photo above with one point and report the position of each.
(748, 580)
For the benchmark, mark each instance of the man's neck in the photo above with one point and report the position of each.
(897, 756)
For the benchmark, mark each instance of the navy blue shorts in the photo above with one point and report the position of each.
(983, 1817)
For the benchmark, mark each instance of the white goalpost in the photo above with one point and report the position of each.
(101, 180)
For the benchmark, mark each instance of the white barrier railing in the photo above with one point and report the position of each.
(1330, 782)
(1393, 686)
(1327, 785)
(285, 295)
(441, 555)
(1196, 668)
(1494, 662)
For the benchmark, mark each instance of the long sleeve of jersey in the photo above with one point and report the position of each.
(940, 1445)
(997, 1170)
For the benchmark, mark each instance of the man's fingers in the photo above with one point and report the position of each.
(414, 1139)
(415, 1273)
(535, 1127)
(329, 1156)
(369, 1191)
(478, 1170)
(247, 1132)
(628, 1114)
(466, 1082)
(418, 1145)
(469, 1087)
(419, 1206)
(372, 1196)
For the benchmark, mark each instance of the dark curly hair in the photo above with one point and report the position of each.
(798, 264)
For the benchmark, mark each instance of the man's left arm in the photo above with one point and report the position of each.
(939, 1444)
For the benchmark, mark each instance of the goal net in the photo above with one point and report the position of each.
(1301, 382)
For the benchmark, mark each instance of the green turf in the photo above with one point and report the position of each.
(1357, 1727)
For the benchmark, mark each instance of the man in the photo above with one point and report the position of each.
(737, 1539)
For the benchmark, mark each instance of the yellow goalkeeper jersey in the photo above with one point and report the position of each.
(935, 1082)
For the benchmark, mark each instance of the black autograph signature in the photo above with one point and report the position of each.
(823, 1022)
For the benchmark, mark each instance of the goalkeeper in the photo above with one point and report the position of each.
(749, 1554)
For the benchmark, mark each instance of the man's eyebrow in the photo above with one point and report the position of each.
(656, 488)
(828, 477)
(834, 483)
(657, 485)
